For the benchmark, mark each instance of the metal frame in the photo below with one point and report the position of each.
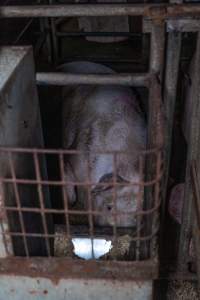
(160, 14)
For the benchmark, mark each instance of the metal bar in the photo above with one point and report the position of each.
(64, 268)
(6, 246)
(155, 117)
(26, 27)
(48, 235)
(41, 200)
(196, 192)
(170, 89)
(63, 79)
(114, 198)
(139, 199)
(196, 208)
(183, 25)
(102, 34)
(65, 151)
(156, 11)
(65, 199)
(54, 37)
(17, 197)
(60, 183)
(90, 207)
(77, 212)
(193, 154)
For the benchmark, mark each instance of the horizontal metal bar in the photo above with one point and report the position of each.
(158, 11)
(62, 79)
(24, 150)
(61, 183)
(101, 34)
(80, 212)
(40, 235)
(56, 268)
(183, 25)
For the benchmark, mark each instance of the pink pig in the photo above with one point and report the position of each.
(99, 119)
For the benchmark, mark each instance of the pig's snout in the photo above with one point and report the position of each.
(119, 210)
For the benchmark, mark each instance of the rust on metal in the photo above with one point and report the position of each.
(57, 268)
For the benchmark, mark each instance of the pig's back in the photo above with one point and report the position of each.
(103, 117)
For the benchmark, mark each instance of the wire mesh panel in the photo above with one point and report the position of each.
(113, 208)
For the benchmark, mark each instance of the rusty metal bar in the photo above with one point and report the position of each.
(170, 90)
(6, 247)
(193, 154)
(155, 116)
(196, 210)
(63, 79)
(90, 208)
(156, 11)
(69, 151)
(60, 183)
(65, 199)
(17, 197)
(108, 236)
(114, 197)
(139, 199)
(41, 200)
(64, 268)
(79, 212)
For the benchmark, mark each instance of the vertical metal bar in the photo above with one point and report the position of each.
(139, 207)
(41, 201)
(196, 210)
(170, 89)
(17, 197)
(193, 154)
(90, 207)
(6, 248)
(65, 198)
(54, 37)
(156, 201)
(114, 198)
(155, 117)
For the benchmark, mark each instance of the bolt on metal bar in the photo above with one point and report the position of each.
(62, 79)
(156, 11)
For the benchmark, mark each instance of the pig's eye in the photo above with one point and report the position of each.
(109, 207)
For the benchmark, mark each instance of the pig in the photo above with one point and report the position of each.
(97, 120)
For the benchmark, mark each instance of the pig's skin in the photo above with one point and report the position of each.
(103, 118)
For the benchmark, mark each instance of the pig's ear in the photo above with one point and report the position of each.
(108, 179)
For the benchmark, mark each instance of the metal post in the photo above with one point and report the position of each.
(193, 154)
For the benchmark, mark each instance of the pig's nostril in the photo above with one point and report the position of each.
(109, 207)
